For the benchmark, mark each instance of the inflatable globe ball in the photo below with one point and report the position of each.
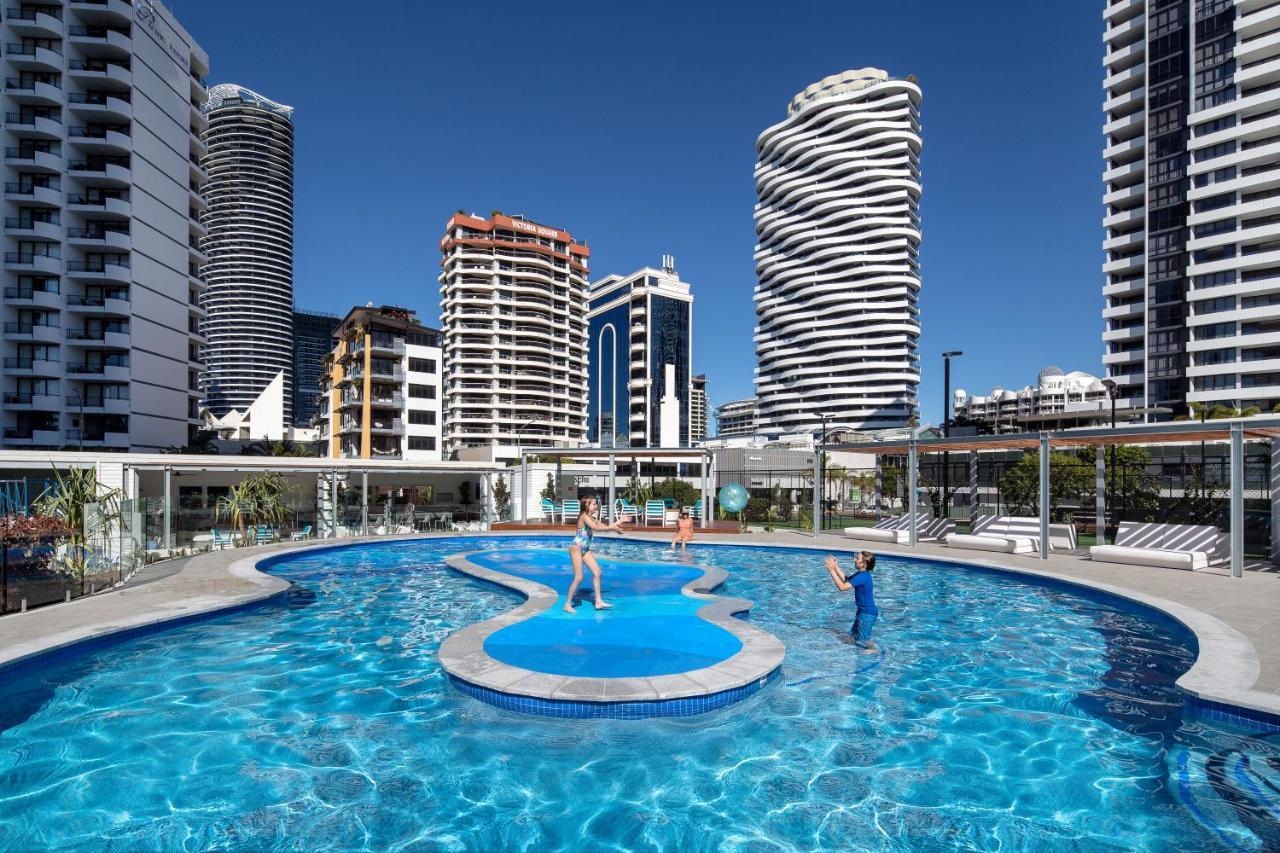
(733, 497)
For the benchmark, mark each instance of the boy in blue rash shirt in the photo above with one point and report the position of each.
(864, 596)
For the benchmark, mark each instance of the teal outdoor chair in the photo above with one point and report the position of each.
(570, 509)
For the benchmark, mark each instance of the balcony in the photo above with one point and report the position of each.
(30, 158)
(101, 74)
(115, 302)
(98, 403)
(109, 107)
(33, 58)
(34, 126)
(99, 205)
(100, 238)
(46, 332)
(102, 41)
(29, 366)
(105, 11)
(114, 270)
(34, 93)
(34, 23)
(106, 139)
(30, 296)
(29, 401)
(33, 437)
(111, 370)
(16, 226)
(394, 401)
(97, 438)
(101, 171)
(111, 338)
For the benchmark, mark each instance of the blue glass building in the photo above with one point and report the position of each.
(640, 353)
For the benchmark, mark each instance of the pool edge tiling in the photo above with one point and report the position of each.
(478, 674)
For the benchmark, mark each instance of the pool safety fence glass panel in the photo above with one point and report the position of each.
(40, 568)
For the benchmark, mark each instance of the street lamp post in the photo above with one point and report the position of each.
(946, 424)
(1110, 385)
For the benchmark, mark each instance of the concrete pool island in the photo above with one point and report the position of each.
(669, 647)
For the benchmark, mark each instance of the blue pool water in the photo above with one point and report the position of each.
(1004, 715)
(652, 628)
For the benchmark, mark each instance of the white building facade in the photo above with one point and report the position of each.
(513, 303)
(249, 271)
(1192, 195)
(640, 355)
(383, 387)
(736, 418)
(1055, 393)
(838, 237)
(102, 197)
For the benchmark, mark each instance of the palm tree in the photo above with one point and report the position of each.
(65, 500)
(257, 499)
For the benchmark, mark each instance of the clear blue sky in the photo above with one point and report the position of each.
(633, 126)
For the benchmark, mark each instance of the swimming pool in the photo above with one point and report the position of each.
(1004, 714)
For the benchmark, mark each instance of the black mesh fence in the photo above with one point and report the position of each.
(1185, 484)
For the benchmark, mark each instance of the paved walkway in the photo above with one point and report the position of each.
(1237, 621)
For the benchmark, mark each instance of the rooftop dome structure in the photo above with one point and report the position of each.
(1048, 373)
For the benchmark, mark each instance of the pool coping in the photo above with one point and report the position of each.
(1224, 672)
(463, 656)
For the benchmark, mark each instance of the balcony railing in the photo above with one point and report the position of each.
(23, 398)
(97, 64)
(20, 85)
(29, 49)
(98, 131)
(30, 118)
(30, 14)
(26, 328)
(96, 266)
(25, 363)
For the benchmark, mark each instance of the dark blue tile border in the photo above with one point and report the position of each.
(613, 710)
(1261, 722)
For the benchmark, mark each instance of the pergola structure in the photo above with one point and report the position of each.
(706, 457)
(1236, 432)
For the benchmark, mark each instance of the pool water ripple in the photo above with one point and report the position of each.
(1004, 716)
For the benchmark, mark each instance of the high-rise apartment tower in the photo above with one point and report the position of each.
(249, 271)
(838, 275)
(102, 198)
(1192, 201)
(513, 303)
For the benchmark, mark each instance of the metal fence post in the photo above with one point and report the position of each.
(1100, 495)
(817, 490)
(913, 464)
(1044, 495)
(1237, 500)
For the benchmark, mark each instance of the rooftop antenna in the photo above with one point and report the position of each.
(669, 264)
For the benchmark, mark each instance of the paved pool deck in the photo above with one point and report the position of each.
(1236, 620)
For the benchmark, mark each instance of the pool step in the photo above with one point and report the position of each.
(1232, 794)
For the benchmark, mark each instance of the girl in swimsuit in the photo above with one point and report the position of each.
(580, 552)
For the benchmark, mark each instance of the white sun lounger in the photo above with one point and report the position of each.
(1007, 534)
(1171, 546)
(897, 529)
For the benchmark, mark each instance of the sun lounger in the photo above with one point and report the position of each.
(898, 529)
(1007, 534)
(1171, 546)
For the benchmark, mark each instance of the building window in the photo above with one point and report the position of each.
(422, 442)
(422, 365)
(419, 416)
(422, 392)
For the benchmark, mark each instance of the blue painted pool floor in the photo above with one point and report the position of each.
(651, 629)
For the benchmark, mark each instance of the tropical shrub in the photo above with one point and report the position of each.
(65, 500)
(257, 499)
